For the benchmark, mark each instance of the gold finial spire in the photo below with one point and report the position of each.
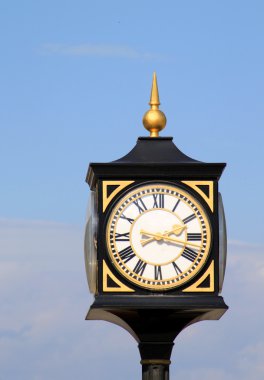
(154, 95)
(154, 119)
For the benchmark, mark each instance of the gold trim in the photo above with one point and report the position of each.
(155, 361)
(121, 288)
(195, 287)
(121, 186)
(194, 185)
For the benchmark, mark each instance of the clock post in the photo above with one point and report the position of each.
(155, 242)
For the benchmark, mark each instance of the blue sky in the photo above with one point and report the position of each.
(75, 80)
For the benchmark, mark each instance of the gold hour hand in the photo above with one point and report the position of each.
(176, 229)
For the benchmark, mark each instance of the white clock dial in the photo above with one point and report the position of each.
(158, 236)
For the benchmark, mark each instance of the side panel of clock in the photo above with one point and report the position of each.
(110, 281)
(207, 281)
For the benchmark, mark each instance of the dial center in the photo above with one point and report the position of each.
(156, 236)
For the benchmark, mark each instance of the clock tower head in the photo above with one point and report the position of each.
(157, 222)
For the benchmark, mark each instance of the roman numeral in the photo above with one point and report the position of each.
(176, 205)
(122, 237)
(177, 269)
(128, 219)
(140, 205)
(157, 273)
(194, 237)
(126, 254)
(158, 200)
(140, 267)
(189, 254)
(189, 218)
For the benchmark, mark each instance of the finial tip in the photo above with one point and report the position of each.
(154, 95)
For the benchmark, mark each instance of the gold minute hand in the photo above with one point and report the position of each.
(168, 238)
(181, 241)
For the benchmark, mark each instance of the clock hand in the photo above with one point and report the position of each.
(166, 233)
(181, 242)
(164, 237)
(175, 228)
(157, 236)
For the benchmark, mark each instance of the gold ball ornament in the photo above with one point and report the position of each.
(154, 121)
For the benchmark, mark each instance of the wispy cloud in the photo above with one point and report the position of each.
(244, 244)
(99, 50)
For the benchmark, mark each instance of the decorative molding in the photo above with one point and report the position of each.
(209, 273)
(155, 361)
(120, 186)
(120, 286)
(209, 199)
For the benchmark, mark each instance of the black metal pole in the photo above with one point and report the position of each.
(155, 328)
(155, 370)
(155, 359)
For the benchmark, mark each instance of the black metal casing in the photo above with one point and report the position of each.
(154, 160)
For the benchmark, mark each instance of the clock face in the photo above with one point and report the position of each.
(158, 236)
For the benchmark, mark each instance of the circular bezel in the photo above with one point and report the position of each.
(194, 205)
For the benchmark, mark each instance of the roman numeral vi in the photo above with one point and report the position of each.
(158, 273)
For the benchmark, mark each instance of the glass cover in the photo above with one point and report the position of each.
(90, 243)
(222, 242)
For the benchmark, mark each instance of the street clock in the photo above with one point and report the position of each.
(155, 237)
